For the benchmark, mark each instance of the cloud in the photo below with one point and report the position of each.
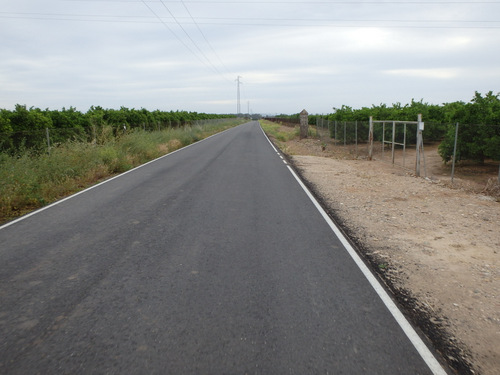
(301, 55)
(436, 73)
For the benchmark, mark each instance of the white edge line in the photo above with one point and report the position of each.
(104, 182)
(274, 148)
(410, 332)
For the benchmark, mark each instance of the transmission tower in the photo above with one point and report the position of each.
(238, 104)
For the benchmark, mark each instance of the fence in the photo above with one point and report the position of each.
(284, 120)
(391, 140)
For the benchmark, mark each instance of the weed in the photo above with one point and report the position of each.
(276, 131)
(33, 179)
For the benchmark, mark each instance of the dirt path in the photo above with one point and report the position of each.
(436, 247)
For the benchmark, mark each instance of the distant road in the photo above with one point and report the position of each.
(211, 260)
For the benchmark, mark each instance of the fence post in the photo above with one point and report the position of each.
(345, 127)
(48, 139)
(393, 140)
(383, 139)
(370, 139)
(404, 145)
(420, 127)
(455, 155)
(356, 136)
(335, 133)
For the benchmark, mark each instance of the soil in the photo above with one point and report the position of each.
(435, 244)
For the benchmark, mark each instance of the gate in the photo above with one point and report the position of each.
(393, 143)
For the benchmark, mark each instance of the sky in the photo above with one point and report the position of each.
(289, 55)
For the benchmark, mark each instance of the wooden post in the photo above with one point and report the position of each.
(304, 123)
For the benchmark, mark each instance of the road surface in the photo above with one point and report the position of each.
(211, 260)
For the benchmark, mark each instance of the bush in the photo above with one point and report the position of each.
(479, 130)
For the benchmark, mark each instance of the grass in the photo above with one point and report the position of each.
(32, 180)
(278, 132)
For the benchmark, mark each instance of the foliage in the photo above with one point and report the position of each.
(432, 115)
(24, 128)
(479, 129)
(30, 179)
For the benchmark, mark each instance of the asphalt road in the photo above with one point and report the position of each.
(211, 260)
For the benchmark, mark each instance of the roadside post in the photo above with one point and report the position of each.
(304, 123)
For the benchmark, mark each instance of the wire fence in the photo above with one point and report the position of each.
(396, 142)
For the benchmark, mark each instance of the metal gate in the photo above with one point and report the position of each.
(393, 143)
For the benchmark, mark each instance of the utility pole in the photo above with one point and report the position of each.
(238, 104)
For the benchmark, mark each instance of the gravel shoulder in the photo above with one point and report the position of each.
(436, 247)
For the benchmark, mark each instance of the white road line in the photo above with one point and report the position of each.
(412, 335)
(104, 182)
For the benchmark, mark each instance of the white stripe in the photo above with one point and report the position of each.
(412, 335)
(103, 182)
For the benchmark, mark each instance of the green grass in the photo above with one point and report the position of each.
(32, 180)
(274, 130)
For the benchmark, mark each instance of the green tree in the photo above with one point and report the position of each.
(5, 125)
(479, 130)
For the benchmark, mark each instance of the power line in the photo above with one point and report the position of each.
(203, 35)
(168, 28)
(178, 38)
(278, 22)
(299, 2)
(22, 14)
(191, 39)
(375, 23)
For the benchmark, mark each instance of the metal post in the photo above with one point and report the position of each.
(335, 133)
(455, 155)
(370, 139)
(423, 157)
(393, 139)
(383, 139)
(419, 143)
(404, 145)
(356, 136)
(345, 124)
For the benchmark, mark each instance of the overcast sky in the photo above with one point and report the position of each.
(290, 55)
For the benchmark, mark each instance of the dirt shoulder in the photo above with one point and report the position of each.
(436, 247)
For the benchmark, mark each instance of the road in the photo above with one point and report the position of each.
(211, 260)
